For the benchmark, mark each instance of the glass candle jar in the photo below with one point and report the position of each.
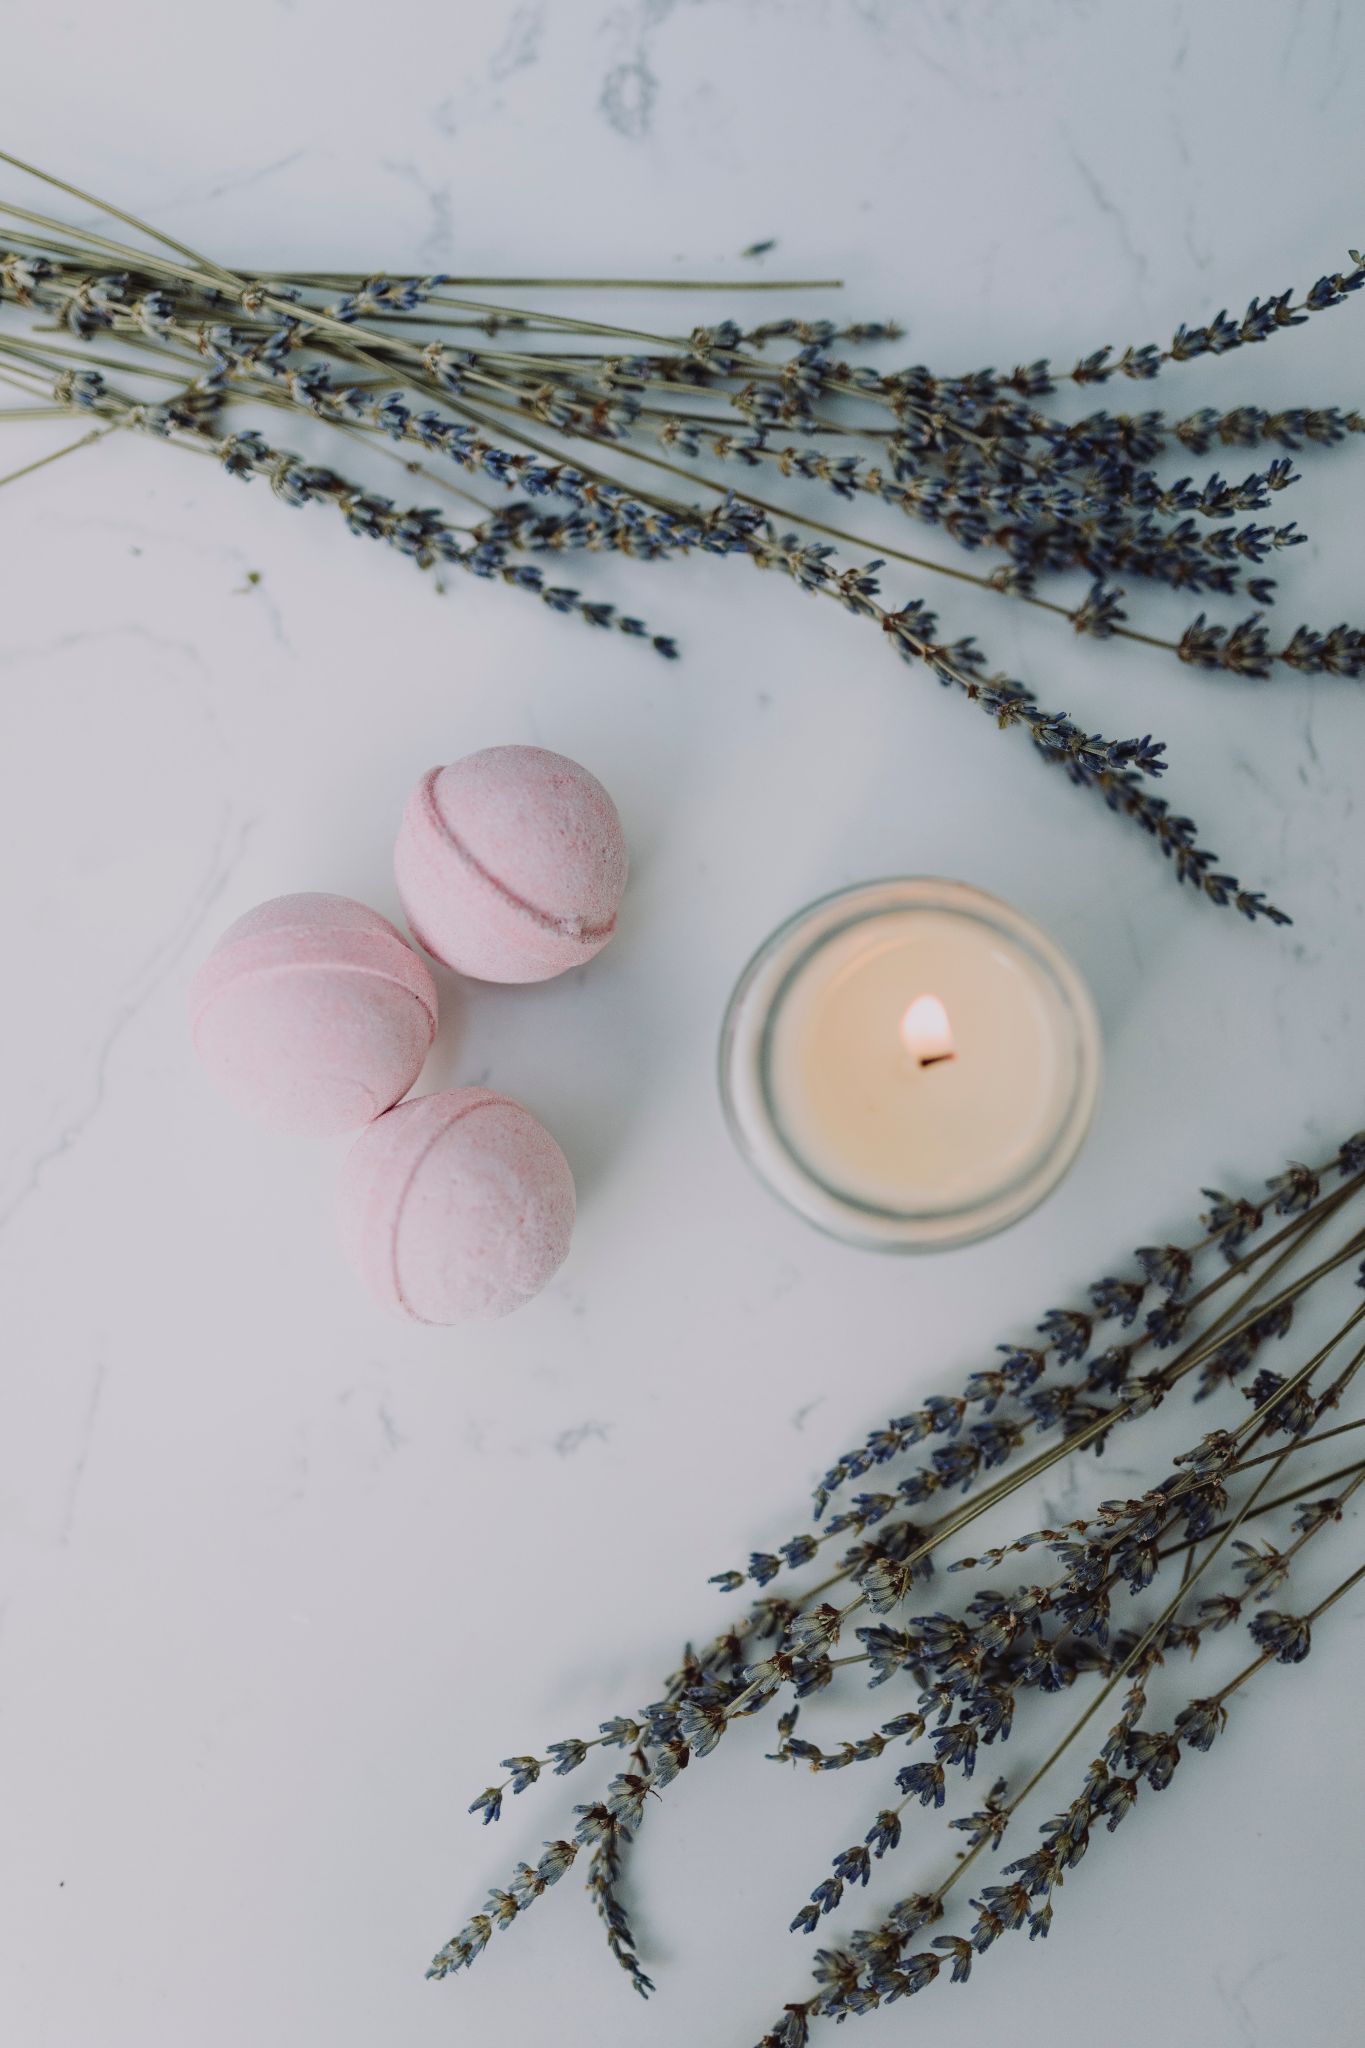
(910, 1064)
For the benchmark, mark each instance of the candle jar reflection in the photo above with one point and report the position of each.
(910, 1064)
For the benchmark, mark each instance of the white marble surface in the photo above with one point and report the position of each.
(282, 1580)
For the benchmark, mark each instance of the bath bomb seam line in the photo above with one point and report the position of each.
(279, 967)
(458, 1116)
(563, 927)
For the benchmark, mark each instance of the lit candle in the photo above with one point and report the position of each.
(910, 1063)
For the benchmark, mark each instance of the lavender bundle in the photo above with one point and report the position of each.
(1126, 1589)
(462, 389)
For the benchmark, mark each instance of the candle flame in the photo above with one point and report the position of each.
(926, 1031)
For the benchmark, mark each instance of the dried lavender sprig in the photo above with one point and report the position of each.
(108, 293)
(138, 320)
(726, 1653)
(1180, 556)
(806, 1662)
(708, 351)
(923, 1784)
(1003, 1907)
(605, 1828)
(885, 1571)
(1105, 1796)
(417, 532)
(709, 1706)
(703, 1705)
(1113, 768)
(958, 422)
(1085, 505)
(623, 1732)
(1241, 652)
(1230, 1223)
(908, 1726)
(1138, 438)
(861, 1749)
(1265, 1569)
(1262, 319)
(809, 333)
(1113, 771)
(604, 1878)
(990, 1558)
(1343, 652)
(1219, 336)
(704, 341)
(1245, 426)
(979, 1676)
(1089, 1426)
(967, 394)
(99, 295)
(1243, 649)
(529, 1883)
(979, 1664)
(1081, 476)
(885, 1588)
(712, 1703)
(653, 530)
(1253, 1565)
(1104, 439)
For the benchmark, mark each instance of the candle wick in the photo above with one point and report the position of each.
(933, 1059)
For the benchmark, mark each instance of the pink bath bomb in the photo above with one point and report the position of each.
(511, 864)
(455, 1206)
(313, 1014)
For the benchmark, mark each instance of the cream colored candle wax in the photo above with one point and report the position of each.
(915, 1063)
(910, 1063)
